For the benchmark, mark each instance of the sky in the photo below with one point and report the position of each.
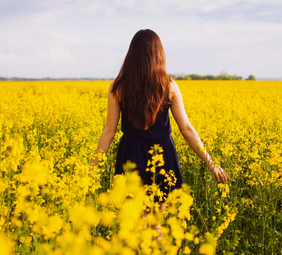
(90, 38)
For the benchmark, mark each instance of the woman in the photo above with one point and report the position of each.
(143, 92)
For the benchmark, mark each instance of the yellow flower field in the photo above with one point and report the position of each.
(52, 204)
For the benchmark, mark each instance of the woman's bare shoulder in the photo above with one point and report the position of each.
(117, 92)
(173, 89)
(112, 84)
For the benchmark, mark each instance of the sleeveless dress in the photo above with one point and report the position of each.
(135, 144)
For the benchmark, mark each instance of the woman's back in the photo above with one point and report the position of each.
(159, 129)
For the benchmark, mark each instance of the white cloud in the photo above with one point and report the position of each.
(66, 39)
(56, 53)
(86, 37)
(168, 7)
(60, 53)
(11, 57)
(3, 42)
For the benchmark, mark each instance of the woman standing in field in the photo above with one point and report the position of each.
(143, 92)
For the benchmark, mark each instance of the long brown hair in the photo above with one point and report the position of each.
(142, 83)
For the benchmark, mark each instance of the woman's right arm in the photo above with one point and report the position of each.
(190, 134)
(109, 131)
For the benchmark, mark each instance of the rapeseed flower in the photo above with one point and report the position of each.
(51, 203)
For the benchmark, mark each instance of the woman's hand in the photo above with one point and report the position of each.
(219, 174)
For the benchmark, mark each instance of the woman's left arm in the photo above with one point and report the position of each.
(190, 134)
(109, 131)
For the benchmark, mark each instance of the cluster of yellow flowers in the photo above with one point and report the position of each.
(63, 214)
(52, 204)
(240, 124)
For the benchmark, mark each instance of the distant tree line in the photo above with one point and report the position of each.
(15, 79)
(222, 76)
(51, 79)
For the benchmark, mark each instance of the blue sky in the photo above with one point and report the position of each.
(83, 38)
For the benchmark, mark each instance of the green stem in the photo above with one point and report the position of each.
(201, 217)
(263, 221)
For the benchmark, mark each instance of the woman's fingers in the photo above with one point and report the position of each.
(220, 175)
(226, 176)
(216, 176)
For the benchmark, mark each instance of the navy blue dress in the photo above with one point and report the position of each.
(135, 144)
